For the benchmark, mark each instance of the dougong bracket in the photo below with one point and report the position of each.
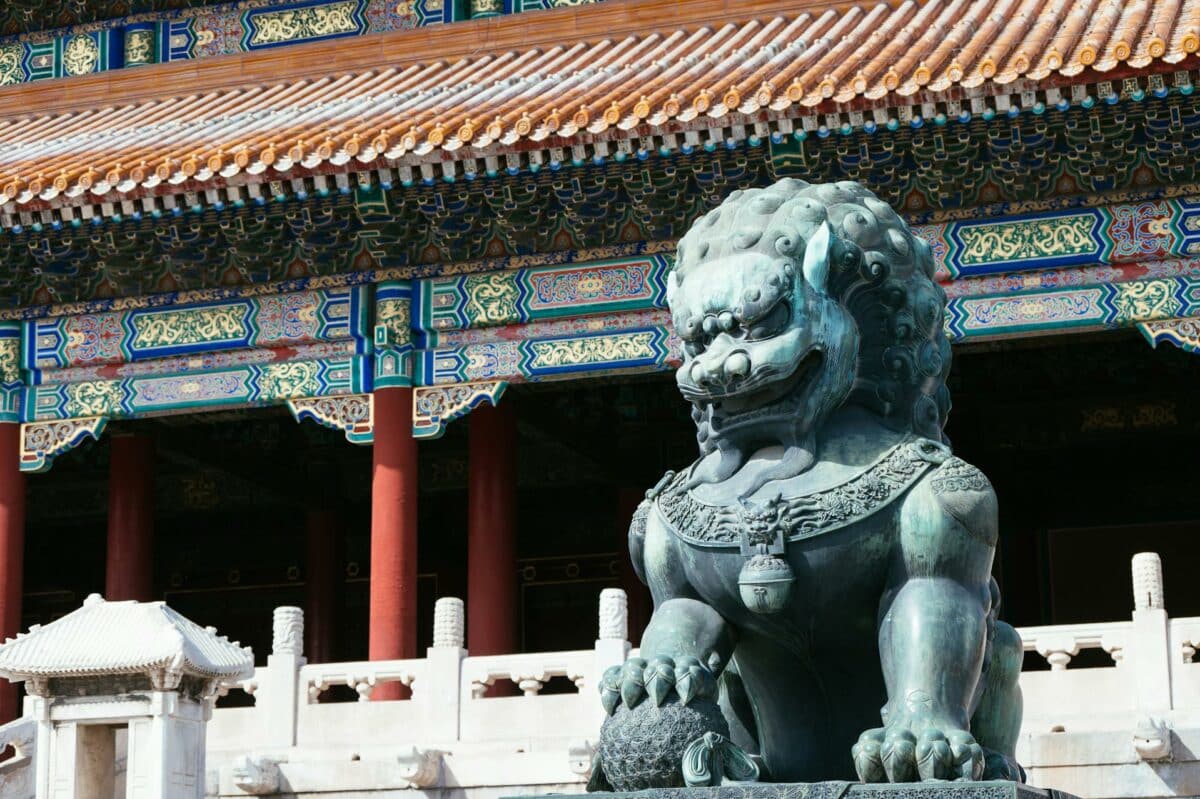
(434, 407)
(353, 414)
(42, 442)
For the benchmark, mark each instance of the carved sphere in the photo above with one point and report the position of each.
(643, 748)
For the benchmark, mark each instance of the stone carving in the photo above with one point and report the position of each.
(449, 623)
(256, 775)
(421, 768)
(614, 615)
(826, 555)
(1147, 581)
(287, 631)
(580, 755)
(1152, 739)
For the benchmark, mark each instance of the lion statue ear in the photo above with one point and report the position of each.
(816, 257)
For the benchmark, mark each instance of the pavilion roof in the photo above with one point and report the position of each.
(103, 638)
(603, 72)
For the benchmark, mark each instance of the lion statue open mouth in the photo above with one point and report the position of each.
(825, 556)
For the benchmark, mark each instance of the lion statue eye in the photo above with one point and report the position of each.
(773, 323)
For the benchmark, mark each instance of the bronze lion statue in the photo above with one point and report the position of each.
(821, 574)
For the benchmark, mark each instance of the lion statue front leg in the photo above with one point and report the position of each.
(665, 727)
(942, 659)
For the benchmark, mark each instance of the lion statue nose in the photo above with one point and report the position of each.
(706, 375)
(737, 366)
(734, 367)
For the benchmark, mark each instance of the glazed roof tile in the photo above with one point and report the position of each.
(793, 59)
(122, 638)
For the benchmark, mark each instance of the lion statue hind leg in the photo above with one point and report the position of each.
(997, 720)
(739, 712)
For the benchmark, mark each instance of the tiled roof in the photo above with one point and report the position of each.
(794, 59)
(122, 638)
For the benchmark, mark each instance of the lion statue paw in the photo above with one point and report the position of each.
(678, 738)
(896, 754)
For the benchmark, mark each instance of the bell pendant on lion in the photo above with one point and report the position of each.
(821, 574)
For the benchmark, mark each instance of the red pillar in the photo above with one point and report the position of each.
(321, 574)
(393, 615)
(129, 567)
(491, 532)
(12, 552)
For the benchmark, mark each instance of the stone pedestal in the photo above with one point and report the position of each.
(844, 790)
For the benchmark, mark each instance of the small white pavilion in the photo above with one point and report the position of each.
(115, 676)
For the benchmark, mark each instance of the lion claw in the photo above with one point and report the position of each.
(693, 679)
(610, 689)
(659, 679)
(637, 679)
(895, 754)
(633, 682)
(868, 761)
(898, 755)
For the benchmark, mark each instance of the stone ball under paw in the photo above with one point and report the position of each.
(642, 748)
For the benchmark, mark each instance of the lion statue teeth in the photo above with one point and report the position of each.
(824, 566)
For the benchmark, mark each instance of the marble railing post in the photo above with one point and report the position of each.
(439, 691)
(279, 690)
(1150, 648)
(612, 642)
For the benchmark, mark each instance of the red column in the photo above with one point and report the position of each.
(12, 552)
(393, 615)
(321, 574)
(129, 566)
(491, 532)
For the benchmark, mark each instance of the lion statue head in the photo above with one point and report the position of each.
(793, 301)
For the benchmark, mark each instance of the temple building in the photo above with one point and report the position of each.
(353, 306)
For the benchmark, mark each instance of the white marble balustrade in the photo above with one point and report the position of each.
(1127, 728)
